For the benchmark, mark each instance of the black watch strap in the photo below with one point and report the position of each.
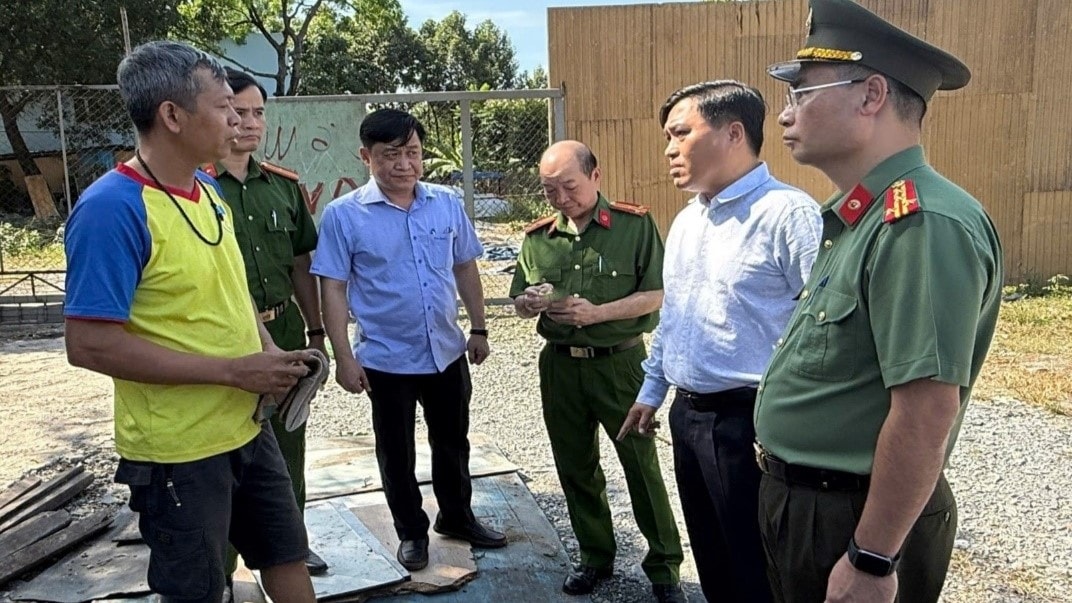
(481, 332)
(315, 332)
(871, 563)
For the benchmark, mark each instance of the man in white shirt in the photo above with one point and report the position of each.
(736, 258)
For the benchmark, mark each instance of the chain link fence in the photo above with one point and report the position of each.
(55, 141)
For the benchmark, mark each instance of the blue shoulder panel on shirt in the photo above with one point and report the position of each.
(107, 243)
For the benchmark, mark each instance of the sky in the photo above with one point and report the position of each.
(524, 21)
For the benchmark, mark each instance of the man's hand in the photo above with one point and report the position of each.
(269, 372)
(477, 348)
(640, 418)
(849, 585)
(534, 300)
(351, 375)
(575, 311)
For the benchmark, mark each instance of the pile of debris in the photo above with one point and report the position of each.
(33, 527)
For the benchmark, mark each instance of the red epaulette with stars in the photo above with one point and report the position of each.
(279, 171)
(855, 205)
(901, 201)
(629, 208)
(538, 224)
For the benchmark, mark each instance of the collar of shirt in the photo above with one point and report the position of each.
(253, 170)
(371, 193)
(876, 181)
(602, 208)
(740, 187)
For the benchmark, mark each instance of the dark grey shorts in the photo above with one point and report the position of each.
(190, 511)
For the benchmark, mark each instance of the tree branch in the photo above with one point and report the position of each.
(246, 68)
(258, 22)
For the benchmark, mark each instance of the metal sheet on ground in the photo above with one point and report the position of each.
(342, 466)
(530, 568)
(98, 569)
(354, 563)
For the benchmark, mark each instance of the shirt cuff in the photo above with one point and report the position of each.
(652, 392)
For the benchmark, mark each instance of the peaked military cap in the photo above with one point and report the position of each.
(843, 32)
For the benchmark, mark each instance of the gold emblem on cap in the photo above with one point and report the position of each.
(829, 54)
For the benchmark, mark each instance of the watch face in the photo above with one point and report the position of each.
(870, 563)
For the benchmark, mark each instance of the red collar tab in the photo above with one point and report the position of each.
(855, 205)
(603, 218)
(901, 201)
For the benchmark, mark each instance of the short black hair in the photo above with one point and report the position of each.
(908, 104)
(389, 125)
(240, 80)
(721, 102)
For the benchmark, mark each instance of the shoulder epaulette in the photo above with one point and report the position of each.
(279, 171)
(901, 201)
(629, 208)
(538, 224)
(210, 169)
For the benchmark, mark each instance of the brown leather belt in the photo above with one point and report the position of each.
(593, 352)
(810, 477)
(273, 312)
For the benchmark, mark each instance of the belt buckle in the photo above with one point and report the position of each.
(761, 457)
(585, 352)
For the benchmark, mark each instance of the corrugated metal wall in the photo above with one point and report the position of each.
(1002, 138)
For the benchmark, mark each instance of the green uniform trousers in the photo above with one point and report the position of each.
(805, 531)
(288, 332)
(580, 395)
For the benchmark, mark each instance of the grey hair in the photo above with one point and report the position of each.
(161, 71)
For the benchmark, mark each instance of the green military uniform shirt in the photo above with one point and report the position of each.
(906, 286)
(619, 253)
(272, 225)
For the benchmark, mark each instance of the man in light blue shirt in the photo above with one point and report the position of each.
(394, 253)
(736, 258)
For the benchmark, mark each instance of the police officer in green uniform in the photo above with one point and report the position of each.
(592, 272)
(864, 396)
(276, 234)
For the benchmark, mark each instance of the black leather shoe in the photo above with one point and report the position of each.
(315, 564)
(669, 593)
(582, 579)
(473, 531)
(413, 554)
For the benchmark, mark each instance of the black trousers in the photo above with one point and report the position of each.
(445, 399)
(806, 531)
(718, 482)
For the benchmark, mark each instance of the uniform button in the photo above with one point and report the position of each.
(804, 294)
(576, 295)
(578, 239)
(779, 342)
(266, 280)
(250, 218)
(257, 248)
(827, 244)
(822, 315)
(760, 388)
(577, 267)
(614, 273)
(243, 187)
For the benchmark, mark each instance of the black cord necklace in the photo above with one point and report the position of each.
(215, 208)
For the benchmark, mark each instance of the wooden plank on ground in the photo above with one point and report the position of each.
(38, 502)
(37, 493)
(29, 532)
(450, 561)
(53, 546)
(43, 204)
(17, 489)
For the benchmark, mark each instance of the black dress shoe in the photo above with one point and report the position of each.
(413, 554)
(473, 531)
(315, 564)
(582, 579)
(669, 593)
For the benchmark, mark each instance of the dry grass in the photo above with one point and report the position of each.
(1031, 357)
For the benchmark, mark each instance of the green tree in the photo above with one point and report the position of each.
(47, 42)
(460, 59)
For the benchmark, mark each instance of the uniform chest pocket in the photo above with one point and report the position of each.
(278, 222)
(827, 346)
(612, 281)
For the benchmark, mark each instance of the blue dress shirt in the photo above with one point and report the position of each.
(733, 266)
(399, 269)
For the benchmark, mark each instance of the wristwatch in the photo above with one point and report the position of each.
(481, 332)
(315, 332)
(871, 563)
